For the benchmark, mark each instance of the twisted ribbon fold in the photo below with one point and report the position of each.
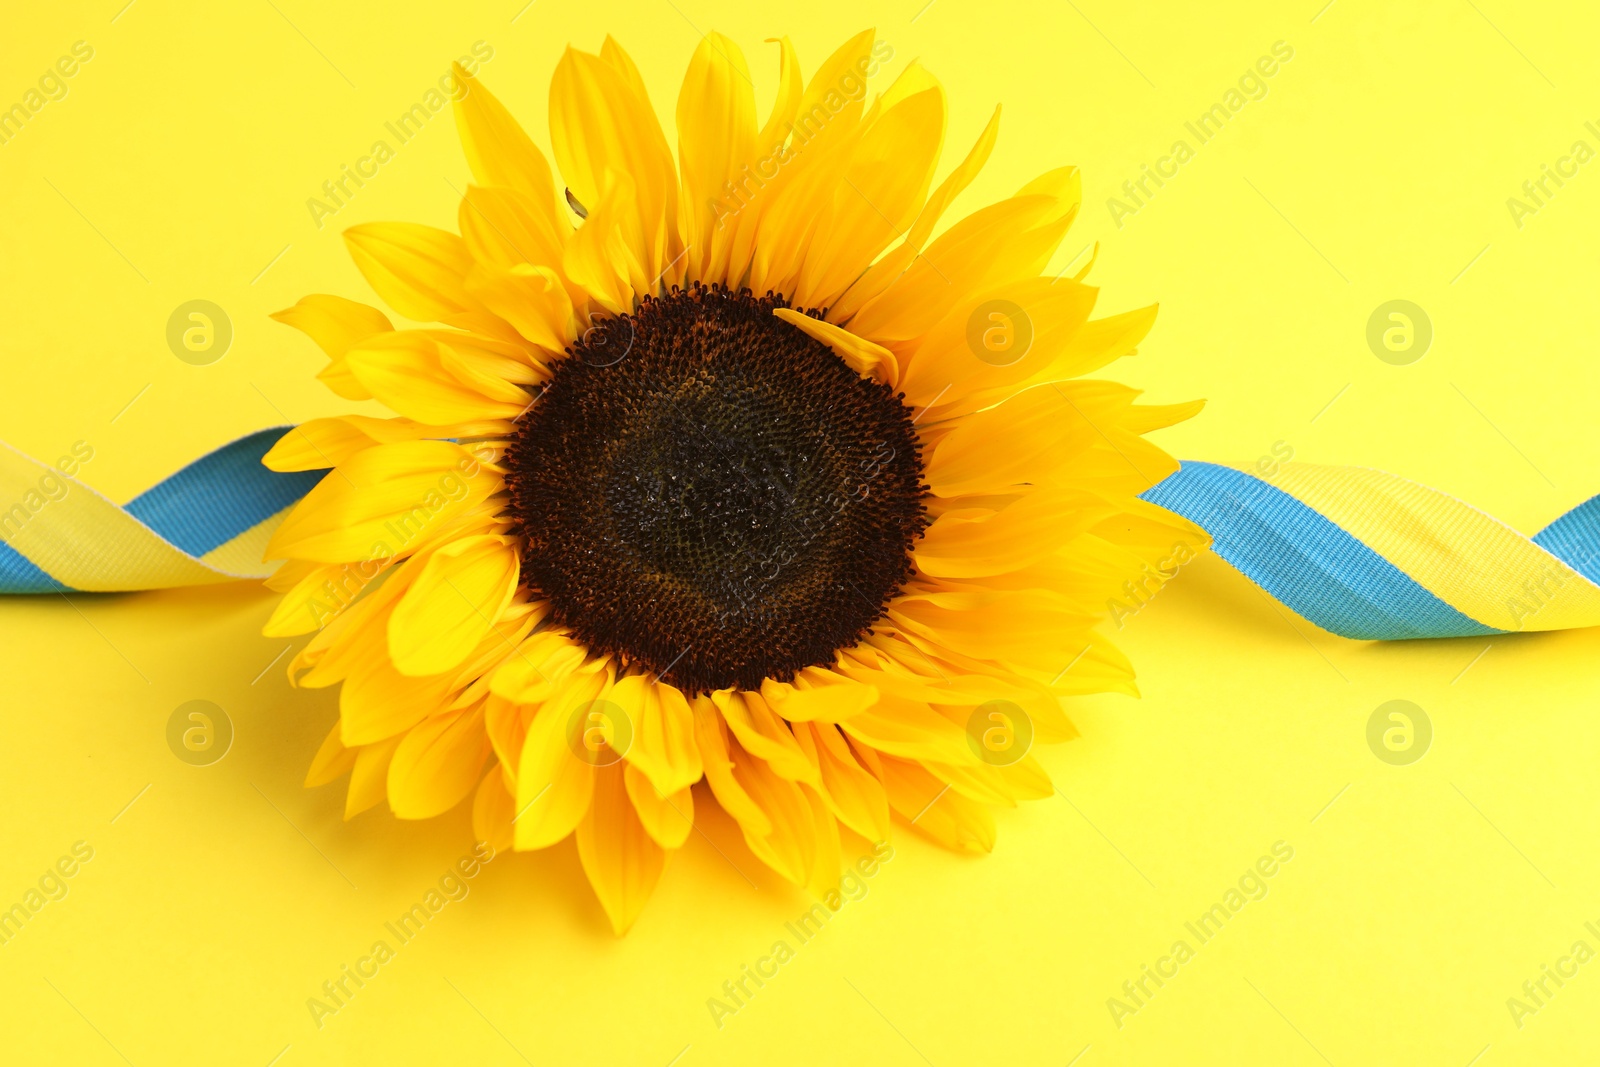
(1368, 555)
(1359, 552)
(207, 523)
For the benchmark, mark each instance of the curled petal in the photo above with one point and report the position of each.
(618, 854)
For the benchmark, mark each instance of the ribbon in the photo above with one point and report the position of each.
(1372, 556)
(1361, 553)
(207, 523)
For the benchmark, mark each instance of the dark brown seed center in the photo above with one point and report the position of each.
(707, 493)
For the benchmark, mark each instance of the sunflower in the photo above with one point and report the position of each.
(724, 483)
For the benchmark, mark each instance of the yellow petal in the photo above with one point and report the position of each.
(492, 809)
(421, 272)
(1010, 240)
(764, 735)
(854, 795)
(490, 365)
(320, 595)
(777, 818)
(437, 764)
(911, 731)
(536, 671)
(826, 855)
(887, 270)
(667, 819)
(787, 100)
(1092, 433)
(378, 702)
(833, 80)
(463, 588)
(504, 227)
(405, 371)
(711, 735)
(818, 694)
(882, 187)
(604, 256)
(601, 123)
(333, 760)
(621, 859)
(826, 127)
(353, 636)
(554, 786)
(471, 678)
(506, 723)
(1005, 625)
(1027, 779)
(1022, 441)
(950, 687)
(748, 198)
(955, 183)
(369, 778)
(319, 444)
(500, 153)
(1142, 418)
(289, 575)
(982, 783)
(867, 359)
(790, 846)
(335, 324)
(381, 500)
(417, 270)
(996, 338)
(413, 534)
(994, 542)
(716, 137)
(613, 55)
(996, 786)
(532, 299)
(936, 809)
(1090, 347)
(663, 746)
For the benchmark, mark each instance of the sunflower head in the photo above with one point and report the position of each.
(718, 481)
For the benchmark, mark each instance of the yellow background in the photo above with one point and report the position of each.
(1377, 167)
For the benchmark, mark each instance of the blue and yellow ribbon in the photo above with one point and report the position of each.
(1368, 555)
(207, 523)
(1361, 553)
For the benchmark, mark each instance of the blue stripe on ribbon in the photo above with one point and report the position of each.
(19, 575)
(220, 495)
(1305, 560)
(1575, 538)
